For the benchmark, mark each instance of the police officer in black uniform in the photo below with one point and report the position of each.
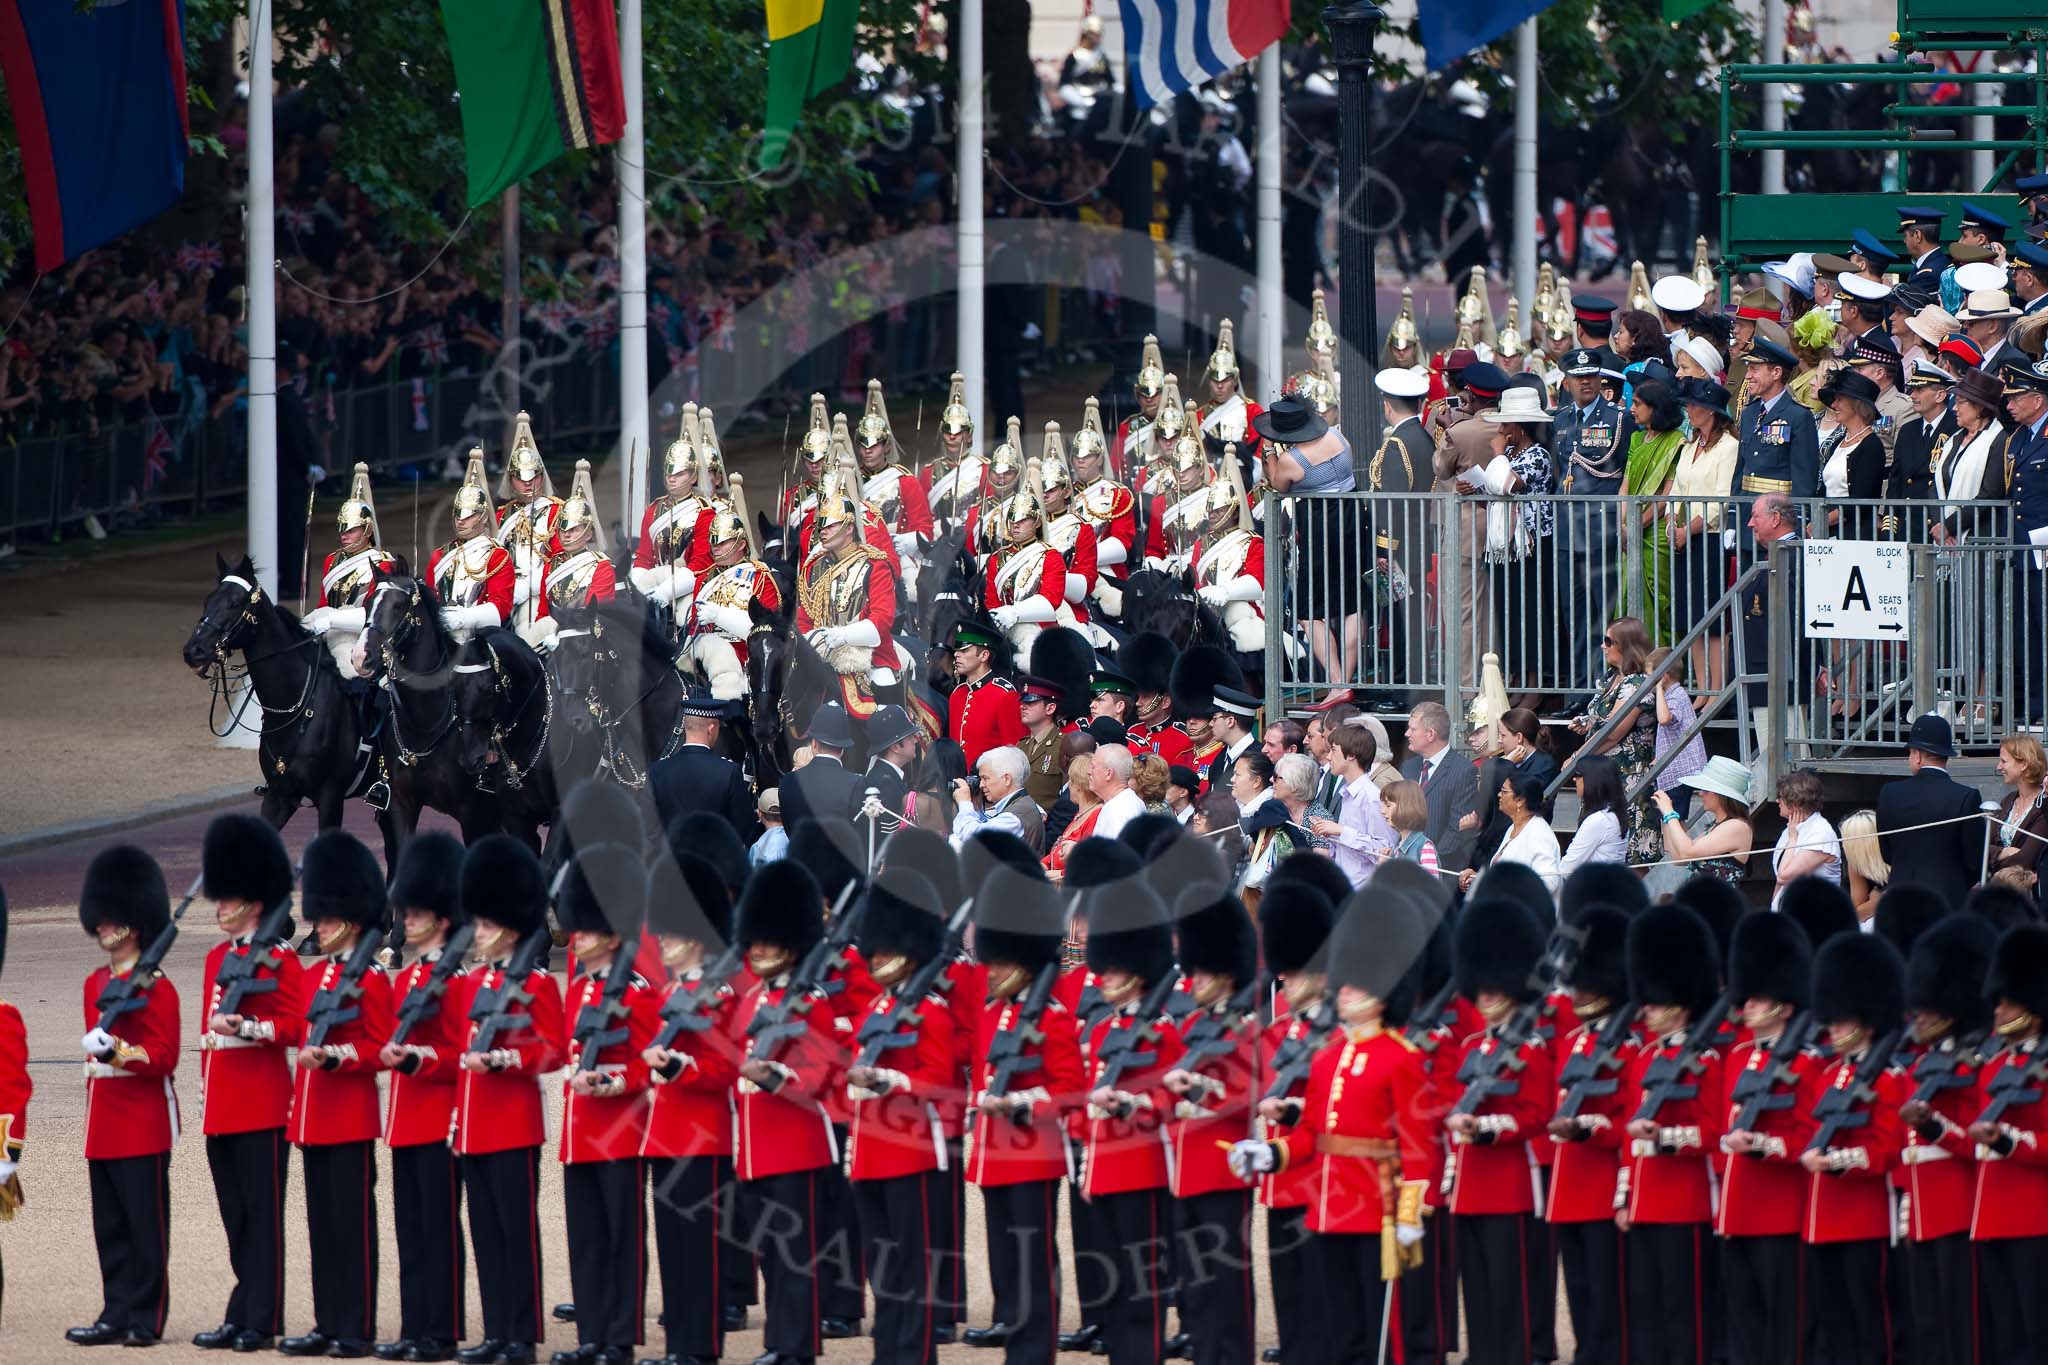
(694, 778)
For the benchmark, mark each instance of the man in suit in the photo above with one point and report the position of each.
(694, 778)
(823, 788)
(1942, 857)
(2026, 462)
(893, 738)
(1451, 783)
(1920, 230)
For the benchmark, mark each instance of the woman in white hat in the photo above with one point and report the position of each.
(1519, 524)
(1723, 787)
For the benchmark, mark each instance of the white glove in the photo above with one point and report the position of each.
(345, 618)
(862, 633)
(522, 589)
(1034, 610)
(545, 633)
(1243, 588)
(7, 1170)
(681, 583)
(828, 637)
(1250, 1157)
(1214, 594)
(1003, 616)
(731, 620)
(97, 1043)
(1407, 1234)
(318, 620)
(652, 582)
(906, 544)
(1111, 552)
(479, 617)
(1077, 587)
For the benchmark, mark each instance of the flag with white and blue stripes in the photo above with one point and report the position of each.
(1176, 45)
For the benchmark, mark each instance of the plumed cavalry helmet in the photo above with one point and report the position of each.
(710, 457)
(1052, 460)
(817, 441)
(681, 455)
(1223, 360)
(1152, 376)
(581, 507)
(1322, 337)
(874, 419)
(1019, 506)
(1189, 451)
(474, 496)
(524, 461)
(1403, 333)
(356, 508)
(1509, 342)
(727, 524)
(1089, 442)
(835, 505)
(1173, 414)
(1010, 454)
(956, 417)
(1314, 389)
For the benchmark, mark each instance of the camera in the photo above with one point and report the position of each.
(974, 785)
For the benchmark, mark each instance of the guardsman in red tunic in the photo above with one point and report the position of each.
(671, 543)
(512, 1039)
(983, 711)
(131, 1109)
(580, 576)
(1762, 1209)
(1127, 452)
(346, 574)
(689, 1131)
(1002, 480)
(1127, 1054)
(1664, 1199)
(1073, 537)
(1147, 660)
(1109, 508)
(605, 1100)
(1859, 996)
(526, 520)
(473, 575)
(334, 1093)
(426, 1188)
(1026, 1078)
(952, 482)
(245, 1085)
(813, 456)
(889, 487)
(1228, 414)
(1229, 566)
(846, 604)
(1950, 1016)
(2009, 1221)
(1215, 1085)
(1495, 1180)
(1364, 1131)
(15, 1089)
(786, 1142)
(722, 612)
(1179, 510)
(843, 478)
(1026, 581)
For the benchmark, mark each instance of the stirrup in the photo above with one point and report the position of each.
(378, 795)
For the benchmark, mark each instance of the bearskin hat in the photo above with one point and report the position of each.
(1907, 910)
(783, 905)
(701, 834)
(1214, 934)
(1147, 660)
(1673, 959)
(602, 890)
(1062, 656)
(830, 850)
(1018, 918)
(2019, 969)
(600, 811)
(1151, 834)
(1197, 674)
(2004, 907)
(1601, 884)
(1822, 908)
(1518, 882)
(124, 885)
(913, 849)
(1716, 902)
(1945, 974)
(1382, 937)
(429, 876)
(243, 859)
(1498, 942)
(1128, 932)
(1312, 869)
(1100, 862)
(502, 882)
(340, 879)
(990, 849)
(687, 898)
(1860, 977)
(902, 916)
(1602, 967)
(1184, 866)
(1295, 919)
(1770, 959)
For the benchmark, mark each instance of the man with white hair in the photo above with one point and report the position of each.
(1109, 775)
(1002, 803)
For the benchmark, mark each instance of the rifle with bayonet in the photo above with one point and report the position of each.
(1120, 1049)
(126, 994)
(1844, 1107)
(881, 1034)
(424, 1000)
(237, 977)
(1006, 1054)
(1677, 1077)
(1297, 1053)
(500, 1008)
(1210, 1033)
(338, 1003)
(776, 1025)
(2014, 1085)
(688, 1007)
(606, 1021)
(1950, 1068)
(1772, 1085)
(1434, 1014)
(1597, 1071)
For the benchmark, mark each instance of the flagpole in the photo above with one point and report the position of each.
(632, 168)
(260, 228)
(1773, 162)
(1525, 172)
(1272, 302)
(969, 238)
(508, 307)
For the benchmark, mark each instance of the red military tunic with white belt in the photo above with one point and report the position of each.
(786, 1129)
(897, 1131)
(1125, 1154)
(873, 531)
(351, 586)
(1364, 1105)
(1129, 433)
(1583, 1171)
(130, 1110)
(612, 1126)
(966, 991)
(245, 1084)
(1073, 539)
(564, 578)
(1011, 579)
(901, 500)
(421, 1102)
(1237, 554)
(1852, 1201)
(1112, 511)
(1674, 1185)
(1209, 1120)
(502, 1110)
(850, 989)
(339, 1104)
(1492, 1168)
(1289, 1188)
(684, 525)
(2012, 1188)
(1000, 1149)
(736, 587)
(693, 1110)
(1939, 1173)
(878, 600)
(1763, 1194)
(474, 572)
(984, 714)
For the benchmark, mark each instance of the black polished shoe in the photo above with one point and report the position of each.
(999, 1334)
(348, 1348)
(138, 1336)
(216, 1338)
(575, 1355)
(779, 1358)
(425, 1349)
(1270, 1356)
(311, 1344)
(252, 1340)
(565, 1312)
(661, 1360)
(735, 1317)
(393, 1350)
(516, 1353)
(1071, 1341)
(1178, 1347)
(98, 1334)
(483, 1353)
(946, 1333)
(612, 1355)
(1100, 1347)
(838, 1329)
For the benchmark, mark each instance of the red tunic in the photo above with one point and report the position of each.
(693, 1112)
(697, 545)
(15, 1086)
(1583, 1172)
(967, 998)
(1170, 742)
(1939, 1175)
(1855, 1205)
(879, 606)
(2012, 1190)
(1204, 1128)
(1363, 1086)
(421, 1107)
(499, 1111)
(244, 1084)
(500, 579)
(130, 1110)
(1494, 1167)
(913, 508)
(1125, 1154)
(1763, 1194)
(900, 1133)
(1112, 512)
(340, 1105)
(607, 1127)
(339, 596)
(786, 1129)
(1003, 590)
(1000, 1150)
(603, 586)
(984, 715)
(873, 530)
(1676, 1187)
(1290, 1188)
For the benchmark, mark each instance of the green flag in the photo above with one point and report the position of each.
(1674, 10)
(810, 47)
(536, 77)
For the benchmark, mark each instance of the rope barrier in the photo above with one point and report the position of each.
(1746, 854)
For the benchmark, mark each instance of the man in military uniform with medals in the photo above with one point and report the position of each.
(1779, 450)
(846, 601)
(346, 573)
(1027, 579)
(1038, 701)
(721, 614)
(526, 520)
(1591, 435)
(577, 578)
(474, 576)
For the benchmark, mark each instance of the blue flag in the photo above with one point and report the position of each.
(99, 107)
(1452, 28)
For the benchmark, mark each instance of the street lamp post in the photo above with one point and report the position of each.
(1352, 28)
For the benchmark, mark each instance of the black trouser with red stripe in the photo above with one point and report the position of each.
(949, 1238)
(898, 1216)
(131, 1225)
(1539, 1248)
(1849, 1305)
(426, 1206)
(789, 1222)
(1765, 1282)
(843, 1276)
(1024, 1266)
(1591, 1256)
(1094, 1259)
(2011, 1272)
(1135, 1232)
(248, 1184)
(1666, 1293)
(1493, 1268)
(341, 1226)
(691, 1197)
(1294, 1271)
(503, 1189)
(607, 1208)
(1218, 1306)
(1354, 1306)
(1428, 1302)
(1941, 1277)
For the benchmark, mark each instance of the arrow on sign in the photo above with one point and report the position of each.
(1892, 626)
(1821, 625)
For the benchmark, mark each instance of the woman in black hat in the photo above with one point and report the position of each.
(1852, 455)
(1304, 454)
(1699, 568)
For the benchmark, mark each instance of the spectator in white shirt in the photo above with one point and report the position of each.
(1109, 777)
(1360, 835)
(1602, 810)
(1530, 841)
(1003, 772)
(1809, 846)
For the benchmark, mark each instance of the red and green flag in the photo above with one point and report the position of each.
(810, 47)
(537, 77)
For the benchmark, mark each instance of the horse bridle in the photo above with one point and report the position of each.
(515, 776)
(390, 644)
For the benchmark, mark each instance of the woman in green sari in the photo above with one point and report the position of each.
(1652, 460)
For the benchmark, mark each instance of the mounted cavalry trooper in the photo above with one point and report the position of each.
(1108, 507)
(526, 521)
(579, 577)
(1154, 465)
(1229, 561)
(1134, 441)
(1178, 514)
(843, 473)
(1070, 533)
(953, 481)
(672, 528)
(1228, 414)
(846, 601)
(813, 455)
(889, 487)
(1003, 480)
(1026, 582)
(732, 583)
(473, 575)
(346, 573)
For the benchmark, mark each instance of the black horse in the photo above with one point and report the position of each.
(511, 729)
(308, 750)
(787, 681)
